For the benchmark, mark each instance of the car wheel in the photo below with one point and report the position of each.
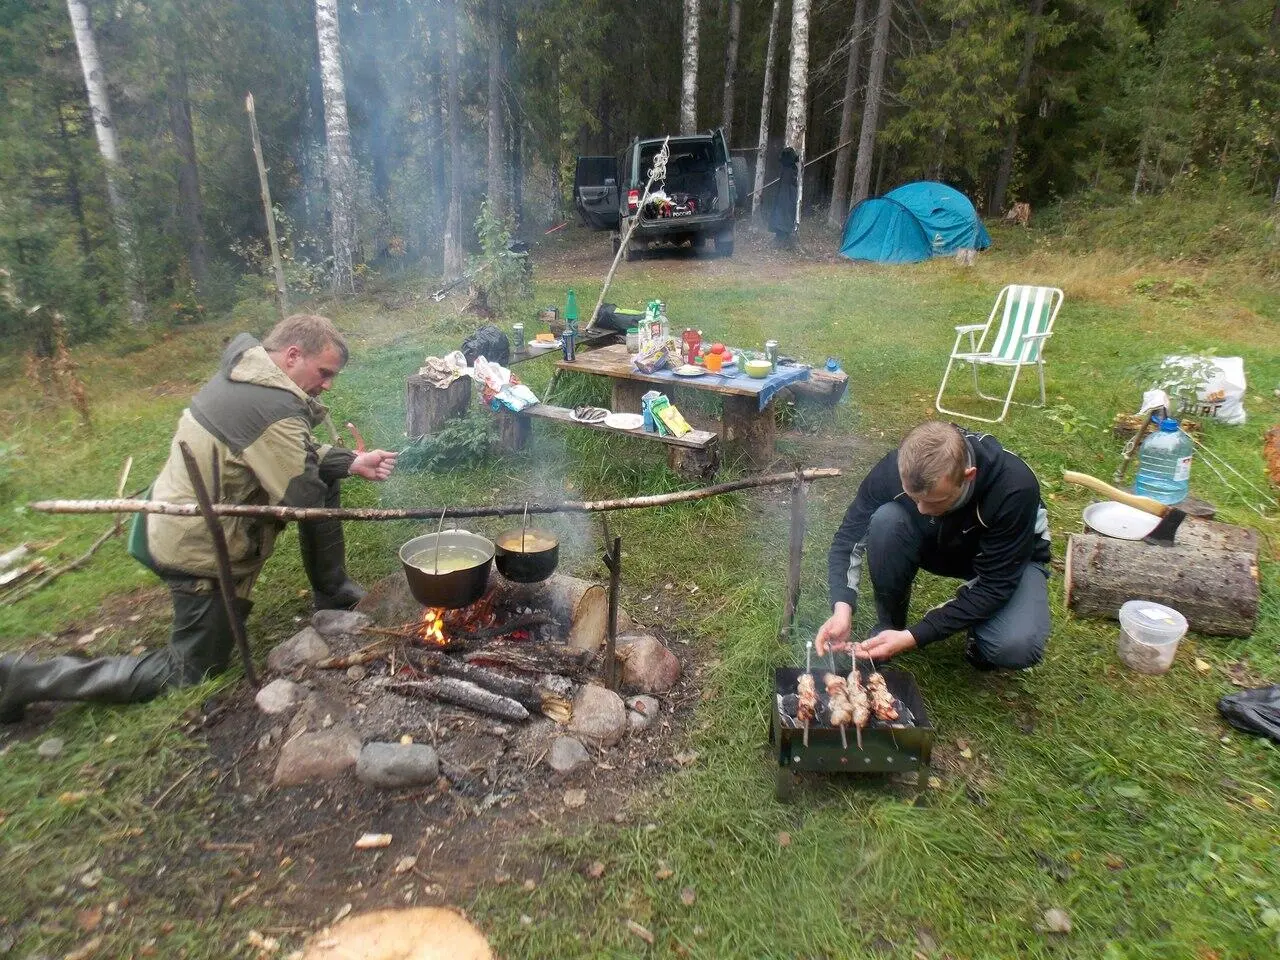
(632, 253)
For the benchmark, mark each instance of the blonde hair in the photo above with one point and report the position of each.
(307, 331)
(929, 453)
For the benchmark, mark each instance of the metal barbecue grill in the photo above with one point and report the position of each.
(897, 747)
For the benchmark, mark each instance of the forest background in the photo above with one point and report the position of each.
(129, 191)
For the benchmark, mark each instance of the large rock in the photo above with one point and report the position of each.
(598, 714)
(647, 666)
(567, 755)
(338, 623)
(301, 650)
(393, 766)
(279, 696)
(317, 756)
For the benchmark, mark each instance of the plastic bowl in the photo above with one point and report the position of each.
(1149, 635)
(759, 369)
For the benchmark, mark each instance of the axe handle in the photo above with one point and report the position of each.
(1145, 504)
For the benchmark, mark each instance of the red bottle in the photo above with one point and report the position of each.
(692, 340)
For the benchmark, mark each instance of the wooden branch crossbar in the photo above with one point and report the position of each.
(430, 513)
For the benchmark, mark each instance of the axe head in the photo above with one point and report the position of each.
(1167, 527)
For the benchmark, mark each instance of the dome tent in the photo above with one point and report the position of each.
(913, 223)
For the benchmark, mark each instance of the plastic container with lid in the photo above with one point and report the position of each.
(633, 339)
(1149, 635)
(1164, 464)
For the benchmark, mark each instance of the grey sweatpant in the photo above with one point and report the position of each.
(897, 549)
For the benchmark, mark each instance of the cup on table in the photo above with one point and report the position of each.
(713, 361)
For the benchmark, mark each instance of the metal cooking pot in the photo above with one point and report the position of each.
(457, 588)
(527, 566)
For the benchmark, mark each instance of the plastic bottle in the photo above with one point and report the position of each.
(571, 310)
(1164, 464)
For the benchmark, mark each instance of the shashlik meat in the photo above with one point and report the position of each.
(858, 698)
(881, 699)
(838, 703)
(808, 695)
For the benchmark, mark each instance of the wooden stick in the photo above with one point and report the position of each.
(430, 513)
(612, 560)
(462, 693)
(799, 497)
(277, 267)
(226, 584)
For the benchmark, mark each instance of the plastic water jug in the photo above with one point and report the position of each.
(1164, 464)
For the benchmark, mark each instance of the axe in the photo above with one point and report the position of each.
(1170, 517)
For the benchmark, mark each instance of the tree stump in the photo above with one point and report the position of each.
(627, 394)
(427, 406)
(694, 464)
(514, 431)
(580, 603)
(749, 432)
(1215, 589)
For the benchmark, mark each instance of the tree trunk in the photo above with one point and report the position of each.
(190, 206)
(497, 178)
(95, 81)
(1005, 172)
(798, 83)
(337, 135)
(840, 182)
(453, 249)
(731, 68)
(689, 70)
(436, 141)
(75, 196)
(871, 103)
(762, 143)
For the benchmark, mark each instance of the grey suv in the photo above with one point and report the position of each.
(700, 195)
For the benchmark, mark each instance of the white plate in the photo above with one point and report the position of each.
(1119, 520)
(688, 370)
(545, 344)
(624, 421)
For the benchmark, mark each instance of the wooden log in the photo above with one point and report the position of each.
(581, 604)
(795, 556)
(1216, 590)
(823, 388)
(463, 694)
(427, 406)
(749, 432)
(694, 464)
(514, 431)
(627, 394)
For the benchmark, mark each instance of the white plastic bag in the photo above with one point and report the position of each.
(1219, 385)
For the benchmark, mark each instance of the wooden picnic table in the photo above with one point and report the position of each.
(747, 430)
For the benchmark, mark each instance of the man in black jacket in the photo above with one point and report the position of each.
(957, 504)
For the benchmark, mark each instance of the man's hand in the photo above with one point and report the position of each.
(885, 645)
(834, 634)
(373, 464)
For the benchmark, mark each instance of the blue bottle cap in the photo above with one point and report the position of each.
(1169, 425)
(832, 364)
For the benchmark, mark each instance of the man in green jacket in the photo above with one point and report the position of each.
(250, 427)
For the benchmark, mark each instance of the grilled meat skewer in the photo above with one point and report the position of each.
(858, 700)
(808, 708)
(881, 699)
(839, 705)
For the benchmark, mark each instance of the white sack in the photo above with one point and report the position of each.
(1220, 392)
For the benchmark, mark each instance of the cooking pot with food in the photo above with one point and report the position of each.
(448, 569)
(527, 555)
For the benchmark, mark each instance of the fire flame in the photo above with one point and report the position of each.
(431, 629)
(438, 624)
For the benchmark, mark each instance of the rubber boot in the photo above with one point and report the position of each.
(200, 645)
(323, 548)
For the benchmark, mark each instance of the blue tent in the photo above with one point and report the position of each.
(913, 223)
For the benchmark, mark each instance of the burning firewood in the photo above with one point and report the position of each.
(462, 693)
(523, 692)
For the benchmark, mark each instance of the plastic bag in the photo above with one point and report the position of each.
(1219, 386)
(1254, 711)
(655, 356)
(490, 342)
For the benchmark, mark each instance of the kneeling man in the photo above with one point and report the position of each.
(956, 504)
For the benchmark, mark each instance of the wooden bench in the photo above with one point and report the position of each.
(695, 455)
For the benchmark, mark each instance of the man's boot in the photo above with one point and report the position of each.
(324, 559)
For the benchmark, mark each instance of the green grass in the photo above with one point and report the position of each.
(1110, 795)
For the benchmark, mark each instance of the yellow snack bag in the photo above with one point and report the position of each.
(674, 421)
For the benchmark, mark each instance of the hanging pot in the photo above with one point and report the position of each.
(462, 574)
(527, 555)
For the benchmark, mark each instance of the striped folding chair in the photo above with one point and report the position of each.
(1026, 322)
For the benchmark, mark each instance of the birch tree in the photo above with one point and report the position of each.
(689, 70)
(798, 92)
(762, 143)
(497, 176)
(840, 182)
(871, 104)
(453, 251)
(731, 68)
(337, 135)
(95, 81)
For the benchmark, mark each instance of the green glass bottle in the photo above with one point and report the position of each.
(571, 310)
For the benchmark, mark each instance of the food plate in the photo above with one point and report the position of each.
(624, 421)
(590, 414)
(1119, 520)
(545, 344)
(688, 370)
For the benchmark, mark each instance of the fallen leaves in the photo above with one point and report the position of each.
(89, 919)
(573, 799)
(86, 951)
(405, 864)
(663, 872)
(1055, 920)
(373, 841)
(642, 932)
(594, 870)
(1203, 667)
(685, 758)
(784, 839)
(688, 896)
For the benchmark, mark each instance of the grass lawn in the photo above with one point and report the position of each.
(1118, 798)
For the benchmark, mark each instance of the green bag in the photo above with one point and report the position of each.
(137, 545)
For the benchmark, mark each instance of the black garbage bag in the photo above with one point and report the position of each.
(488, 342)
(1254, 711)
(616, 318)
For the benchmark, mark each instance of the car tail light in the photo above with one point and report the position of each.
(633, 200)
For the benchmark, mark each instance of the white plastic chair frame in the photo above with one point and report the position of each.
(1021, 308)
